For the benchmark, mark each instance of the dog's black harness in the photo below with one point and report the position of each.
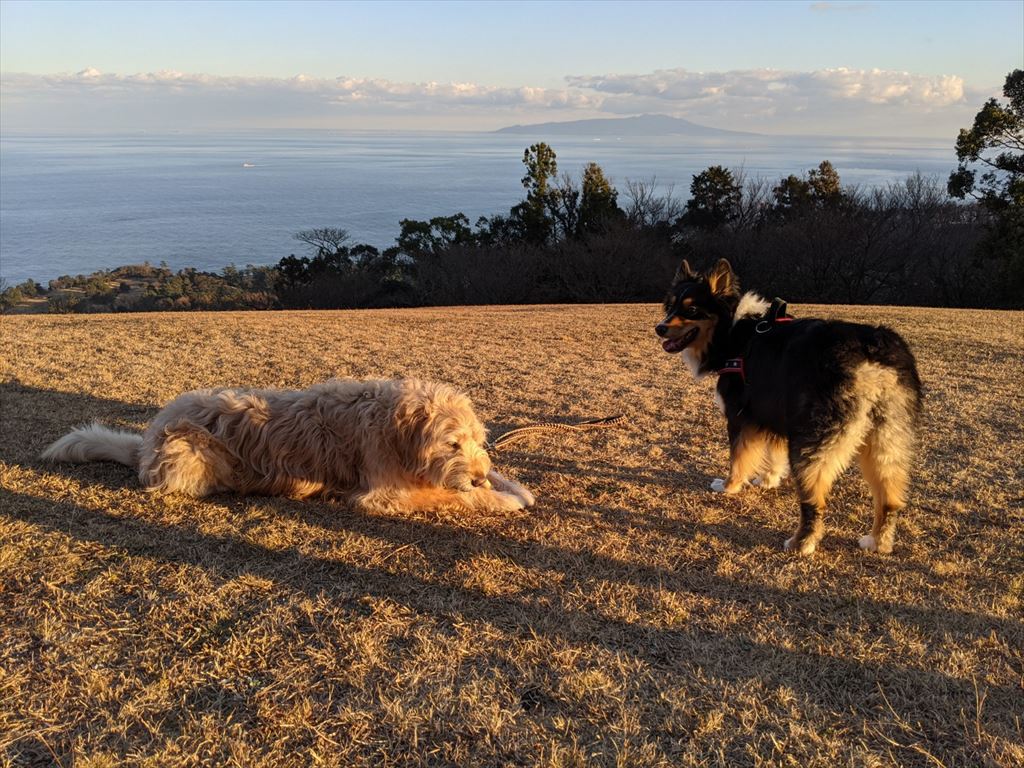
(776, 314)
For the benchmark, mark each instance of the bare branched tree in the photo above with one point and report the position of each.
(646, 207)
(325, 240)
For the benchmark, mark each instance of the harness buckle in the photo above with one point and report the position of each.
(776, 314)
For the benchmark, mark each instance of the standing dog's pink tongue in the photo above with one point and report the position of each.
(678, 345)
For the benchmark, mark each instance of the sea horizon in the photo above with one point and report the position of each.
(7, 133)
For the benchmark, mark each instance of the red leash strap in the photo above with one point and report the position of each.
(735, 365)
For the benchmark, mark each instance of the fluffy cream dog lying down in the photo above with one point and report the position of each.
(401, 444)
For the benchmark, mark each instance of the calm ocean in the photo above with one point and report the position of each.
(71, 205)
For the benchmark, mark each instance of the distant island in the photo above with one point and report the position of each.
(641, 125)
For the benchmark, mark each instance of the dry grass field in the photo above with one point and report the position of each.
(631, 618)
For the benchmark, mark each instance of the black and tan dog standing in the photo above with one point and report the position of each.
(806, 395)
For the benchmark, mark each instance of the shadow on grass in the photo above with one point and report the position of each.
(833, 683)
(48, 414)
(541, 460)
(31, 418)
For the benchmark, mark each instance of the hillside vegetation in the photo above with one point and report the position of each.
(632, 618)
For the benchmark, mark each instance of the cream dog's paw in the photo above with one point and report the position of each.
(508, 502)
(507, 485)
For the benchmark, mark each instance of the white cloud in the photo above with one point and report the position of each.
(838, 100)
(829, 101)
(872, 86)
(339, 90)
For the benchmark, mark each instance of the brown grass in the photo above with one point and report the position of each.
(632, 618)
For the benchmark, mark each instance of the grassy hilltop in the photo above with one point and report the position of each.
(631, 618)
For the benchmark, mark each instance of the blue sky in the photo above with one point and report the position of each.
(827, 67)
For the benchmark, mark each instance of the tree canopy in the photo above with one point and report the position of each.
(995, 143)
(541, 167)
(714, 198)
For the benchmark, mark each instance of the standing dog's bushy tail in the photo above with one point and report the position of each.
(96, 443)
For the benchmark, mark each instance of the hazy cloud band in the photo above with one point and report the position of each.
(760, 99)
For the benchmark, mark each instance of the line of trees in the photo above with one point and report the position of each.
(807, 237)
(578, 239)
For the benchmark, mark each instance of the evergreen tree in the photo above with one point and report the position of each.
(534, 212)
(714, 198)
(821, 187)
(996, 142)
(598, 201)
(419, 238)
(791, 192)
(824, 183)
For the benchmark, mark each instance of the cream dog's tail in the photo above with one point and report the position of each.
(96, 443)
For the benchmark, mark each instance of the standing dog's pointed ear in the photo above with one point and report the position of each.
(722, 280)
(683, 272)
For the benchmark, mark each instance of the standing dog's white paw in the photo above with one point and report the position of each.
(870, 544)
(718, 485)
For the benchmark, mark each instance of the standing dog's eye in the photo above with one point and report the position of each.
(454, 445)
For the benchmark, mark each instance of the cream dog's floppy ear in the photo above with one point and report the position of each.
(409, 437)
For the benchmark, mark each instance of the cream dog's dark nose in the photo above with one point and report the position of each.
(478, 481)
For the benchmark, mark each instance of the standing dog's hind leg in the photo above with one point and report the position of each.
(813, 485)
(885, 462)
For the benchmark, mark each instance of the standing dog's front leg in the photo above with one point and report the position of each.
(747, 446)
(776, 467)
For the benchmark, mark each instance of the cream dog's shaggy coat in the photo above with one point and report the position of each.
(402, 444)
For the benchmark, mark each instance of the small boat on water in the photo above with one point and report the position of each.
(248, 165)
